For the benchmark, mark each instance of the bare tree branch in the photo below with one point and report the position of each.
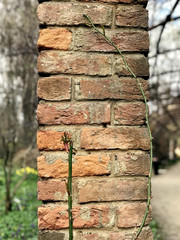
(164, 52)
(164, 22)
(165, 72)
(168, 19)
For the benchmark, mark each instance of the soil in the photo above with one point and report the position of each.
(166, 202)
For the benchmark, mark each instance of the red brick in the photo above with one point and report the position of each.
(74, 63)
(115, 138)
(54, 218)
(131, 16)
(54, 88)
(90, 165)
(54, 38)
(132, 164)
(88, 40)
(131, 113)
(72, 13)
(114, 189)
(137, 63)
(49, 140)
(117, 88)
(78, 113)
(52, 190)
(137, 210)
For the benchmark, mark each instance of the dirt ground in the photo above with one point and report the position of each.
(166, 202)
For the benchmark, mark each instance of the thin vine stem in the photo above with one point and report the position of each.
(70, 192)
(68, 144)
(147, 119)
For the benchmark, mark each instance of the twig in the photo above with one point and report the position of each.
(147, 120)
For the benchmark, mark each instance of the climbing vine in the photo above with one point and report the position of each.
(66, 139)
(90, 24)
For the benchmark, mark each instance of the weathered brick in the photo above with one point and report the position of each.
(121, 234)
(62, 234)
(54, 218)
(52, 190)
(131, 113)
(72, 13)
(132, 164)
(131, 16)
(54, 88)
(115, 138)
(54, 235)
(92, 236)
(54, 38)
(138, 63)
(49, 140)
(74, 63)
(131, 1)
(40, 1)
(90, 165)
(117, 88)
(137, 210)
(88, 40)
(78, 113)
(117, 1)
(146, 234)
(112, 190)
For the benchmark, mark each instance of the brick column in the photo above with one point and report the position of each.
(85, 90)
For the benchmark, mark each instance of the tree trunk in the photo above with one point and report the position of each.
(8, 200)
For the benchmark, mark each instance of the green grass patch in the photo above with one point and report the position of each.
(21, 223)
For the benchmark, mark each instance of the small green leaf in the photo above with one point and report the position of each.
(103, 29)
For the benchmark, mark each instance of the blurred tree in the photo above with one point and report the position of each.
(164, 58)
(18, 79)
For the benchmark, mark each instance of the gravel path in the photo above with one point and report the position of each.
(166, 202)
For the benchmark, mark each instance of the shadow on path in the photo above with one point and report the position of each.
(166, 202)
